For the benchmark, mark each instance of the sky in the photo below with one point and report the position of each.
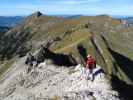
(66, 7)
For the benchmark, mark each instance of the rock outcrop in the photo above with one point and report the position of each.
(53, 82)
(37, 14)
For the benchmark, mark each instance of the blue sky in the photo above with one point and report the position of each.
(64, 7)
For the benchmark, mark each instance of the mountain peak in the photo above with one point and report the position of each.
(37, 14)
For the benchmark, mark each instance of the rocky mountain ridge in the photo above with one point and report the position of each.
(100, 36)
(54, 82)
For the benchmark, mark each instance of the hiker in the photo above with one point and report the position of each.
(30, 61)
(90, 65)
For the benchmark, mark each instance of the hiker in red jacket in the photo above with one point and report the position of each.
(90, 64)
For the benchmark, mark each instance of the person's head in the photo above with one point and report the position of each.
(89, 56)
(90, 62)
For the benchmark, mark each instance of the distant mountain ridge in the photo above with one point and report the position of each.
(4, 29)
(73, 16)
(10, 21)
(129, 20)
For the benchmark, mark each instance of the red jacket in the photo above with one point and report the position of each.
(90, 63)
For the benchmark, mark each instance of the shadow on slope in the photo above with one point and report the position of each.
(57, 58)
(82, 52)
(125, 63)
(125, 90)
(122, 87)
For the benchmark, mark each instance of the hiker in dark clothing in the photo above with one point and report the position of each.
(30, 59)
(31, 62)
